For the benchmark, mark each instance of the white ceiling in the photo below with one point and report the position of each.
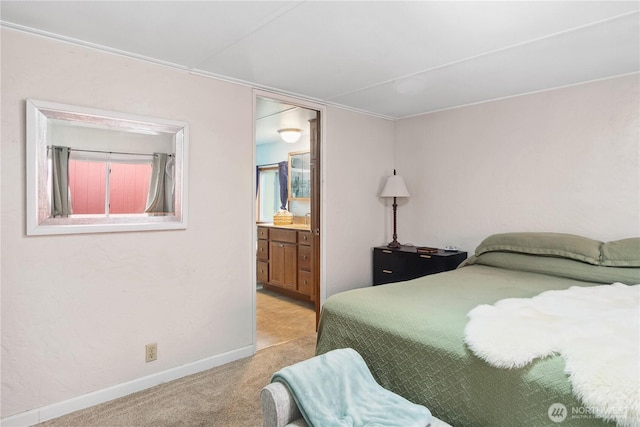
(390, 58)
(272, 115)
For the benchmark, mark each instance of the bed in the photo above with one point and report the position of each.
(411, 333)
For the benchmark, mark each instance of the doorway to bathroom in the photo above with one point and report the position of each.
(287, 218)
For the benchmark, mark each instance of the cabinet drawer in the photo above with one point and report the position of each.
(304, 238)
(394, 265)
(262, 272)
(304, 257)
(383, 275)
(280, 235)
(263, 233)
(305, 282)
(388, 260)
(263, 250)
(388, 266)
(419, 265)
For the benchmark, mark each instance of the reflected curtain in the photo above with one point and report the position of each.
(257, 179)
(60, 193)
(160, 197)
(283, 177)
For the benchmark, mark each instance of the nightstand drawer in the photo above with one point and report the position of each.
(422, 264)
(385, 259)
(385, 275)
(406, 263)
(388, 266)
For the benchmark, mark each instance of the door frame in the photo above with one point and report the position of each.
(321, 131)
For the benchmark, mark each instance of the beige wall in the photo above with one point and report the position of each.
(565, 160)
(359, 156)
(77, 310)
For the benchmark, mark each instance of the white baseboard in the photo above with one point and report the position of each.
(64, 407)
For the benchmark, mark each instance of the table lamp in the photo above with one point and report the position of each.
(394, 187)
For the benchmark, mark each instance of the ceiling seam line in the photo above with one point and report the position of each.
(279, 112)
(532, 92)
(279, 91)
(488, 53)
(259, 26)
(136, 57)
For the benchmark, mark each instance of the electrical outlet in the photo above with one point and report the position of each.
(151, 352)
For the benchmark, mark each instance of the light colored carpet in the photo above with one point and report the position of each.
(225, 396)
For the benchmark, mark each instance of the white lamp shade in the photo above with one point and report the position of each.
(395, 187)
(290, 135)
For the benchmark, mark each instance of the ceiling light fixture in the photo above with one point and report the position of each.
(290, 135)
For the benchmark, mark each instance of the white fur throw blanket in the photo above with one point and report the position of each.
(596, 329)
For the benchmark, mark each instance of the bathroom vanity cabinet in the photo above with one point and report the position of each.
(284, 261)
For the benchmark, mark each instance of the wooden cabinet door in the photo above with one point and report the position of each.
(283, 262)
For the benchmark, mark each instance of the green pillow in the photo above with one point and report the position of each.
(560, 267)
(621, 253)
(550, 244)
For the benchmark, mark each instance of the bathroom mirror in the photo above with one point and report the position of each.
(96, 171)
(299, 175)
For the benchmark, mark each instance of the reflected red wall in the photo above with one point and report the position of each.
(129, 187)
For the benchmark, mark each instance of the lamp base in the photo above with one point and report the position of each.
(394, 244)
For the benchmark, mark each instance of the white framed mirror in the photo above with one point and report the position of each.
(97, 171)
(300, 175)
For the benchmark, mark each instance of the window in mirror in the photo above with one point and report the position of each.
(127, 185)
(268, 193)
(299, 175)
(93, 170)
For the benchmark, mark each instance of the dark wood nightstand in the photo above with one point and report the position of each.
(405, 263)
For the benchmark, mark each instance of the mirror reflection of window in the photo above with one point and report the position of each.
(128, 187)
(96, 171)
(268, 193)
(87, 187)
(127, 184)
(300, 175)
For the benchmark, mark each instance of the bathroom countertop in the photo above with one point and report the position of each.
(304, 227)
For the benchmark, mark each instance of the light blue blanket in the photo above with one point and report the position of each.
(337, 389)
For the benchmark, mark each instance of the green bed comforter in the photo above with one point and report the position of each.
(411, 336)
